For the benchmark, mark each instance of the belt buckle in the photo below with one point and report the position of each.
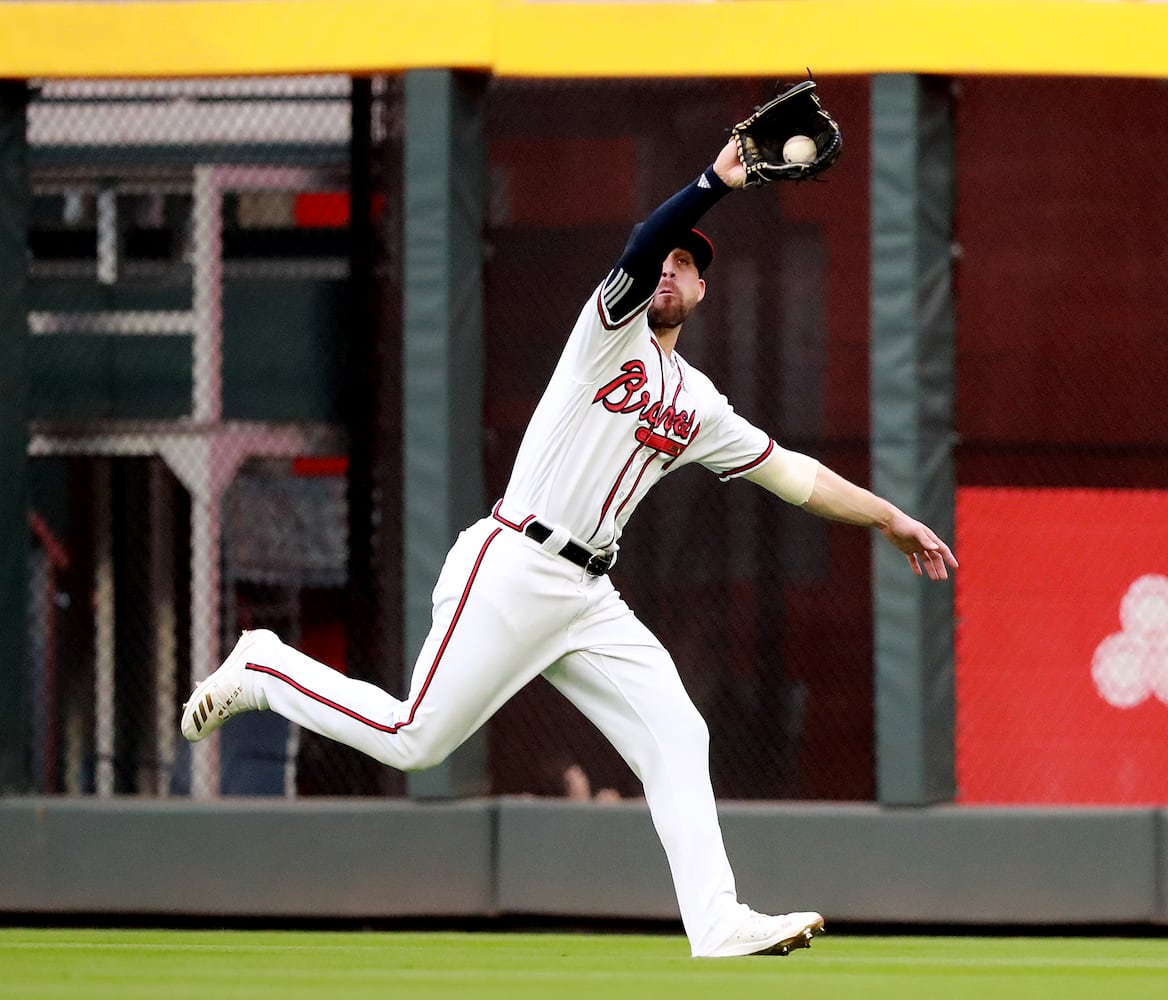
(598, 564)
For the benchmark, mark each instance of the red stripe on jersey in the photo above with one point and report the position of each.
(514, 527)
(661, 365)
(612, 492)
(749, 465)
(356, 716)
(633, 492)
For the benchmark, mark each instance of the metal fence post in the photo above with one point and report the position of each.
(445, 181)
(14, 220)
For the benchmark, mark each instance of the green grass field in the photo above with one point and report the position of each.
(37, 964)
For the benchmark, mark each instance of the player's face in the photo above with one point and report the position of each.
(678, 292)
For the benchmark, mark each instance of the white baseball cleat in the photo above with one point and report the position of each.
(220, 696)
(760, 934)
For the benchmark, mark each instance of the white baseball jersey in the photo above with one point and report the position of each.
(618, 415)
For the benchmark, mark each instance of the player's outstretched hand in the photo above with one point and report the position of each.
(926, 553)
(729, 167)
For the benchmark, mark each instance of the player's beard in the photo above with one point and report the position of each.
(668, 314)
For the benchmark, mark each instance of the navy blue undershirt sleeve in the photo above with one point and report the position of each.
(635, 276)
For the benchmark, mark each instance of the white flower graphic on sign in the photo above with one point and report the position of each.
(1129, 666)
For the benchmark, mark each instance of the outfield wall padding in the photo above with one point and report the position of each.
(950, 864)
(246, 858)
(337, 859)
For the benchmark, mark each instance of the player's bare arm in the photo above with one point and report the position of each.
(729, 167)
(837, 499)
(818, 490)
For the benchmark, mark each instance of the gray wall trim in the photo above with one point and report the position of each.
(912, 394)
(445, 193)
(335, 859)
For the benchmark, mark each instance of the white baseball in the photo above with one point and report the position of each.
(799, 149)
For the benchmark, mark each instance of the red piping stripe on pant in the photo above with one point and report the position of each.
(380, 726)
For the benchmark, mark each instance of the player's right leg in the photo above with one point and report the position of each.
(496, 625)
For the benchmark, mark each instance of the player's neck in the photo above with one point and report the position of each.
(667, 338)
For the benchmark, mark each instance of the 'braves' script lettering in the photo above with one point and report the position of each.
(627, 394)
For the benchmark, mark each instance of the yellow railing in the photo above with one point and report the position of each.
(553, 38)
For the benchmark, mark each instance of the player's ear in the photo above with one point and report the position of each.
(701, 289)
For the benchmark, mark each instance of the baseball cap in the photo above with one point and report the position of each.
(701, 246)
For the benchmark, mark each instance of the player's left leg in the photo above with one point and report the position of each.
(625, 682)
(627, 685)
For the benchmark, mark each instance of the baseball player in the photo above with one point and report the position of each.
(525, 591)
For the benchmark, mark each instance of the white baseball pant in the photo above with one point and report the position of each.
(505, 610)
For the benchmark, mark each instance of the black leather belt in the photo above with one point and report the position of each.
(592, 563)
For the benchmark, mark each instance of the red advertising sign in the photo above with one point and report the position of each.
(1062, 646)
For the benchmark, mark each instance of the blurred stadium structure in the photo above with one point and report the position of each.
(204, 295)
(190, 260)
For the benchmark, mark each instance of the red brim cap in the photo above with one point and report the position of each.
(702, 248)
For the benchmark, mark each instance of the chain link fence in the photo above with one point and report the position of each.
(765, 610)
(201, 302)
(190, 301)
